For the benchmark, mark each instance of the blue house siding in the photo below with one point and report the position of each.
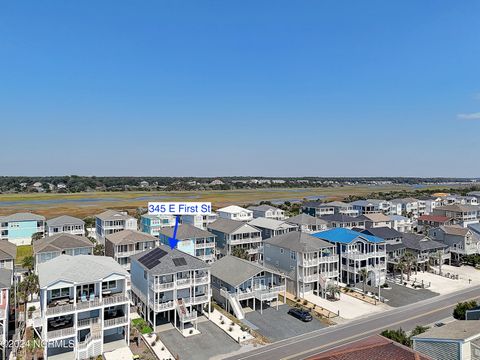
(137, 277)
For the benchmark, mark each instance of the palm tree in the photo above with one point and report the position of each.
(363, 274)
(333, 290)
(240, 253)
(400, 266)
(410, 260)
(28, 263)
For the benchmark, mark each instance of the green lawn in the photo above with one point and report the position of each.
(142, 326)
(22, 252)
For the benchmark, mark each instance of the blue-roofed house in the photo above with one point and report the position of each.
(358, 251)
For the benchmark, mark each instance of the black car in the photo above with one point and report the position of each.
(300, 314)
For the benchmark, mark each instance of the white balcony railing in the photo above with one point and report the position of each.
(87, 322)
(116, 322)
(184, 282)
(201, 279)
(308, 278)
(159, 307)
(162, 286)
(60, 333)
(191, 316)
(245, 241)
(60, 309)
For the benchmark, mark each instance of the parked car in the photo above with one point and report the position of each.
(300, 314)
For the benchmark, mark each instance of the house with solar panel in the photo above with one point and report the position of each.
(170, 286)
(191, 240)
(358, 251)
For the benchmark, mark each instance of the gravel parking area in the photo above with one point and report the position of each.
(211, 341)
(278, 325)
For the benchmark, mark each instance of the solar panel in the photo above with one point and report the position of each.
(151, 259)
(179, 261)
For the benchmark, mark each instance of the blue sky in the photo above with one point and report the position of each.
(209, 88)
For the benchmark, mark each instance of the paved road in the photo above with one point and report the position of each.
(407, 317)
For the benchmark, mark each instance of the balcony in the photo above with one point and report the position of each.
(356, 255)
(310, 262)
(308, 278)
(87, 322)
(60, 333)
(199, 299)
(191, 316)
(244, 240)
(204, 245)
(122, 320)
(162, 286)
(57, 308)
(159, 307)
(115, 299)
(184, 282)
(328, 259)
(203, 279)
(256, 250)
(126, 253)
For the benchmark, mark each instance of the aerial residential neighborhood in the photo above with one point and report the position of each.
(239, 180)
(249, 276)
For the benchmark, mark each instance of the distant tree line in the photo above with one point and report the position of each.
(75, 183)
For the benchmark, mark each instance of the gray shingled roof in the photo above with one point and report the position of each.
(458, 208)
(65, 220)
(126, 237)
(112, 215)
(235, 271)
(299, 241)
(455, 230)
(305, 219)
(383, 232)
(59, 242)
(78, 269)
(5, 278)
(8, 250)
(227, 226)
(263, 207)
(341, 218)
(271, 224)
(22, 217)
(186, 231)
(166, 264)
(421, 243)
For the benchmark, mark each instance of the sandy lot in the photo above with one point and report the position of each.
(349, 307)
(467, 276)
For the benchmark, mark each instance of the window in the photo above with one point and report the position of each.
(145, 274)
(281, 251)
(109, 285)
(59, 293)
(293, 255)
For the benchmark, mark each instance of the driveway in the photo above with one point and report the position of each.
(278, 325)
(400, 295)
(211, 341)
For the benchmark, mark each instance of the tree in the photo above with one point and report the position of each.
(89, 223)
(462, 307)
(410, 260)
(99, 249)
(399, 336)
(240, 253)
(333, 290)
(363, 274)
(28, 263)
(37, 236)
(400, 266)
(419, 329)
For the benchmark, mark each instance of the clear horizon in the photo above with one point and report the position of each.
(210, 89)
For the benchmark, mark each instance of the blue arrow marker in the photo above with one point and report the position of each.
(173, 240)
